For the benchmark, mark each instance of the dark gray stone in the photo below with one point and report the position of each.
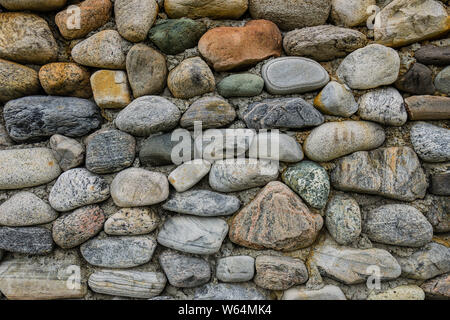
(438, 213)
(33, 240)
(417, 80)
(203, 203)
(42, 116)
(184, 271)
(110, 151)
(225, 291)
(440, 183)
(431, 143)
(438, 56)
(288, 113)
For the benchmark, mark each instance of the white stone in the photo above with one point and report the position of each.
(277, 147)
(189, 174)
(328, 292)
(235, 269)
(351, 13)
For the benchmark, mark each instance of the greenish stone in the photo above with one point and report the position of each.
(310, 181)
(173, 36)
(241, 85)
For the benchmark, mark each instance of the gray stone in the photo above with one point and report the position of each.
(232, 175)
(352, 266)
(193, 234)
(119, 252)
(43, 116)
(417, 80)
(235, 269)
(425, 263)
(103, 50)
(157, 150)
(328, 292)
(132, 221)
(351, 14)
(281, 146)
(336, 100)
(437, 288)
(440, 183)
(406, 292)
(287, 113)
(184, 271)
(442, 81)
(241, 85)
(370, 67)
(393, 172)
(133, 284)
(25, 209)
(134, 18)
(290, 75)
(323, 43)
(438, 213)
(385, 106)
(189, 174)
(333, 140)
(23, 168)
(225, 291)
(31, 240)
(291, 14)
(76, 188)
(213, 112)
(202, 203)
(431, 143)
(110, 151)
(136, 187)
(398, 224)
(5, 140)
(68, 152)
(147, 115)
(279, 273)
(343, 219)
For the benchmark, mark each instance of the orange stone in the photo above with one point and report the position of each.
(227, 48)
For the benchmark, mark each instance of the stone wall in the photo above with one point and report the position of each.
(87, 183)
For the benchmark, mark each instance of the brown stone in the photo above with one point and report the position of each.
(428, 108)
(65, 79)
(437, 288)
(215, 9)
(110, 89)
(276, 219)
(17, 81)
(93, 15)
(228, 48)
(33, 5)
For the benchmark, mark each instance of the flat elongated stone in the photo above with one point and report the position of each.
(241, 85)
(228, 48)
(24, 168)
(119, 252)
(25, 209)
(68, 152)
(31, 240)
(393, 172)
(134, 18)
(33, 5)
(23, 279)
(17, 81)
(397, 24)
(202, 203)
(351, 14)
(235, 269)
(135, 187)
(431, 143)
(384, 106)
(134, 284)
(110, 89)
(343, 219)
(336, 139)
(76, 188)
(279, 273)
(352, 266)
(110, 151)
(26, 38)
(184, 271)
(282, 147)
(427, 262)
(437, 288)
(290, 75)
(147, 70)
(337, 100)
(77, 227)
(292, 225)
(417, 80)
(189, 174)
(407, 292)
(225, 291)
(214, 9)
(323, 43)
(284, 113)
(193, 234)
(213, 112)
(147, 115)
(399, 225)
(310, 181)
(370, 67)
(440, 183)
(428, 107)
(438, 56)
(329, 292)
(42, 116)
(132, 221)
(240, 174)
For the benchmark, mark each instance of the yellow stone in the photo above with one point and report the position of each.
(110, 89)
